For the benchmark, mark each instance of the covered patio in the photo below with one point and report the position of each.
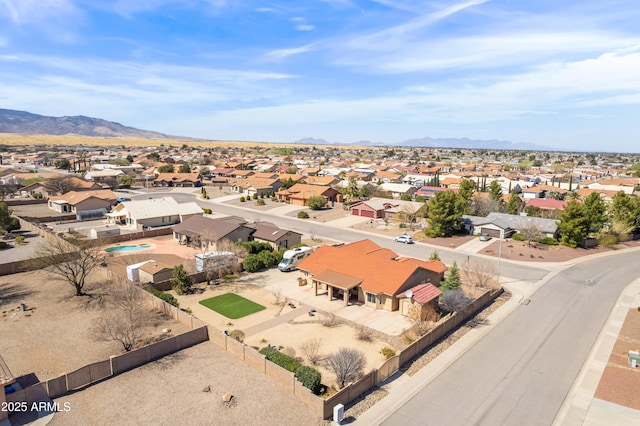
(337, 286)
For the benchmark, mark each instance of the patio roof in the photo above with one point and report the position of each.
(336, 279)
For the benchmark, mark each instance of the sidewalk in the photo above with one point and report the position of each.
(580, 407)
(402, 388)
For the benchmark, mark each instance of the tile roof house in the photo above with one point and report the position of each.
(363, 272)
(299, 193)
(178, 179)
(155, 212)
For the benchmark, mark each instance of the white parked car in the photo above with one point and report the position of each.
(403, 239)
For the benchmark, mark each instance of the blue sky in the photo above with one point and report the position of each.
(564, 74)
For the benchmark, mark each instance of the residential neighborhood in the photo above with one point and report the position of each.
(182, 227)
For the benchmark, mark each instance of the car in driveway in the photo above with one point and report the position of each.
(121, 199)
(403, 239)
(485, 237)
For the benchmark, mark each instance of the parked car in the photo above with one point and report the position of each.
(403, 239)
(485, 237)
(121, 199)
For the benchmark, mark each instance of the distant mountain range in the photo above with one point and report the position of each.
(25, 123)
(463, 143)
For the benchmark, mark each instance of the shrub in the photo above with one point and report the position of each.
(310, 378)
(242, 199)
(255, 196)
(252, 263)
(387, 352)
(548, 241)
(278, 358)
(20, 239)
(316, 202)
(3, 245)
(363, 333)
(237, 334)
(207, 211)
(260, 202)
(605, 240)
(517, 237)
(268, 258)
(303, 215)
(163, 296)
(230, 277)
(403, 225)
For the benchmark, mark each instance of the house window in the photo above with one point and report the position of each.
(371, 298)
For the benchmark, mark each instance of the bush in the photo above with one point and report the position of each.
(310, 378)
(387, 352)
(260, 202)
(605, 240)
(20, 239)
(402, 225)
(230, 277)
(252, 263)
(242, 199)
(3, 245)
(163, 296)
(316, 202)
(303, 215)
(207, 211)
(278, 358)
(268, 258)
(255, 196)
(517, 237)
(255, 247)
(237, 334)
(548, 241)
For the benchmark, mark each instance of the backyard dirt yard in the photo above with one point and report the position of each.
(52, 336)
(170, 391)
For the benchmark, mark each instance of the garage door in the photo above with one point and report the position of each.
(490, 231)
(366, 213)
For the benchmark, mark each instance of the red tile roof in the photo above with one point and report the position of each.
(423, 293)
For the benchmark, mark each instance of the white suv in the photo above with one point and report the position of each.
(403, 239)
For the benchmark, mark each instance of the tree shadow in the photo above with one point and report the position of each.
(95, 297)
(13, 293)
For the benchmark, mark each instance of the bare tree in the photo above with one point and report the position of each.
(277, 296)
(60, 185)
(347, 364)
(530, 231)
(67, 262)
(455, 300)
(329, 320)
(479, 274)
(408, 214)
(125, 321)
(311, 349)
(7, 189)
(363, 333)
(482, 205)
(422, 318)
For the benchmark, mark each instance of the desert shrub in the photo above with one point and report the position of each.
(402, 225)
(260, 202)
(329, 320)
(230, 277)
(237, 334)
(517, 237)
(3, 245)
(364, 333)
(289, 351)
(387, 352)
(255, 247)
(548, 241)
(163, 296)
(310, 378)
(255, 196)
(207, 211)
(303, 215)
(278, 358)
(605, 240)
(242, 199)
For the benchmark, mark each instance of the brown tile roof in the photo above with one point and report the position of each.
(423, 293)
(76, 197)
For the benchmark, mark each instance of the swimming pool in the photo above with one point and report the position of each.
(136, 247)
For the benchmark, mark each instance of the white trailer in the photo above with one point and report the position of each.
(133, 271)
(291, 258)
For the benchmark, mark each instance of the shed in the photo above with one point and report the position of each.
(133, 271)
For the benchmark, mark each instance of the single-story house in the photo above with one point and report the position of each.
(418, 299)
(81, 201)
(397, 190)
(103, 175)
(384, 208)
(251, 185)
(299, 193)
(277, 237)
(505, 225)
(189, 180)
(363, 272)
(152, 213)
(206, 233)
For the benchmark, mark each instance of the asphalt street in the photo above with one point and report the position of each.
(521, 372)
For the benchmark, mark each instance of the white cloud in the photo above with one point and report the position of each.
(35, 11)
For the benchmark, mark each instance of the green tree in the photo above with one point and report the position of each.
(625, 209)
(288, 183)
(8, 223)
(467, 187)
(495, 191)
(316, 202)
(130, 158)
(153, 156)
(453, 280)
(184, 168)
(62, 164)
(252, 263)
(167, 168)
(513, 205)
(125, 180)
(445, 210)
(574, 224)
(181, 280)
(596, 210)
(434, 255)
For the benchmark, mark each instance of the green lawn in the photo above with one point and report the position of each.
(231, 305)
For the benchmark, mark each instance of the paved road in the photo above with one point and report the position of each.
(521, 272)
(520, 372)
